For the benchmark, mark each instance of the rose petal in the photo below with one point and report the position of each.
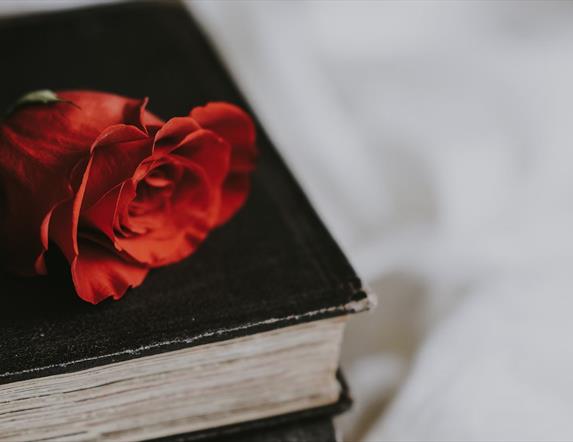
(229, 122)
(172, 133)
(98, 273)
(101, 109)
(208, 151)
(37, 155)
(157, 178)
(101, 215)
(115, 161)
(63, 229)
(237, 128)
(176, 232)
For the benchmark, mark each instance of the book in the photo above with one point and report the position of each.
(301, 430)
(244, 332)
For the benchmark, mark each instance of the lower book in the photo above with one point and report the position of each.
(303, 430)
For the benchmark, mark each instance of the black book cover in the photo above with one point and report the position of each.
(300, 430)
(273, 265)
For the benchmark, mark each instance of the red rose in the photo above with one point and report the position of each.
(117, 189)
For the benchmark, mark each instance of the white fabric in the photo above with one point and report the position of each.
(435, 140)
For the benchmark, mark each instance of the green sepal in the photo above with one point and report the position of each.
(41, 97)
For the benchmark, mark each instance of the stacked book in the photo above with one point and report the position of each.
(238, 342)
